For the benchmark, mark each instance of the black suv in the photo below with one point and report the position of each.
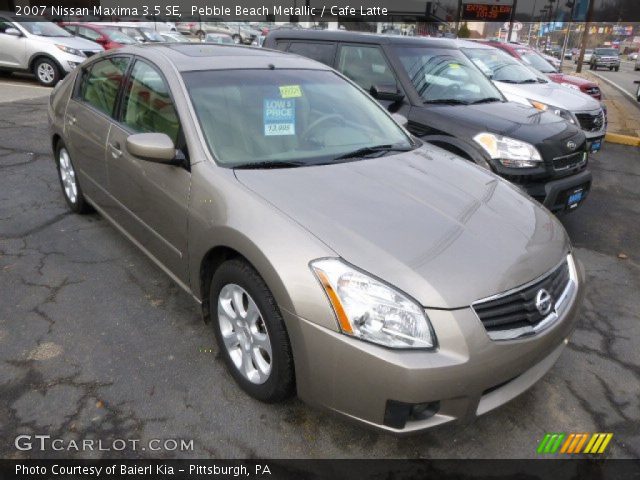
(450, 103)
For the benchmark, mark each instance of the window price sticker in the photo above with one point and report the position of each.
(290, 91)
(279, 116)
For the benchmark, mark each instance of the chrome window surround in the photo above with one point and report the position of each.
(560, 307)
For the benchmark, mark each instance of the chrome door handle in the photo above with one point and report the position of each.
(115, 150)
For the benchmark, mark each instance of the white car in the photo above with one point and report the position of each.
(587, 56)
(41, 47)
(521, 84)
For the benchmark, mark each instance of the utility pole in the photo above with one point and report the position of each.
(571, 4)
(513, 13)
(585, 34)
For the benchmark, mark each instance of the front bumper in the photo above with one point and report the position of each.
(554, 194)
(468, 375)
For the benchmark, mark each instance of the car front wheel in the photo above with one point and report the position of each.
(250, 332)
(47, 72)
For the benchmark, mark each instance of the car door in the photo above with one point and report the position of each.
(152, 198)
(88, 120)
(12, 48)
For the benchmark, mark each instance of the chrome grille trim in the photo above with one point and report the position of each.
(560, 306)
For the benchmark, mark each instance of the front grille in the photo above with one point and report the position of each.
(591, 122)
(577, 159)
(593, 91)
(517, 310)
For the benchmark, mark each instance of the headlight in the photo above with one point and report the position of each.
(567, 115)
(71, 51)
(510, 152)
(370, 310)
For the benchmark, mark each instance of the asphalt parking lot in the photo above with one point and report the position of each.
(96, 342)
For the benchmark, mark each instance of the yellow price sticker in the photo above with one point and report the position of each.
(454, 65)
(290, 91)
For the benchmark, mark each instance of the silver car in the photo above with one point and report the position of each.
(335, 256)
(41, 47)
(522, 84)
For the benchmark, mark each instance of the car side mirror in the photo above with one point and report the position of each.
(153, 147)
(14, 32)
(102, 41)
(386, 92)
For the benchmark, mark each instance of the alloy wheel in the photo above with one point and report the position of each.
(46, 72)
(244, 334)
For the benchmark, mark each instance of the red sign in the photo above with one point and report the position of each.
(483, 12)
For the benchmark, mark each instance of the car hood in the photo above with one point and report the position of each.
(74, 42)
(439, 228)
(552, 94)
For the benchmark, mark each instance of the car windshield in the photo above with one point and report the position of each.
(529, 57)
(44, 29)
(606, 51)
(446, 76)
(289, 118)
(119, 37)
(499, 66)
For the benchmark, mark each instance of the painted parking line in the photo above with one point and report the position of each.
(22, 85)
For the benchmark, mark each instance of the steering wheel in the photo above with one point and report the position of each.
(319, 121)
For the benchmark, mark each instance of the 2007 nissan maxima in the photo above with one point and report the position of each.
(336, 256)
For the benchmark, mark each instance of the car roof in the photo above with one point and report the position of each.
(215, 56)
(360, 37)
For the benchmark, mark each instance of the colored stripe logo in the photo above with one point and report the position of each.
(573, 443)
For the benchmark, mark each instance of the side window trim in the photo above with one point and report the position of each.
(181, 139)
(86, 69)
(390, 64)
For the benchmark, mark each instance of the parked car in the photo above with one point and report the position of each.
(32, 44)
(449, 102)
(525, 85)
(605, 57)
(533, 59)
(587, 56)
(138, 33)
(342, 258)
(150, 23)
(173, 37)
(200, 29)
(244, 32)
(108, 37)
(632, 56)
(552, 60)
(221, 38)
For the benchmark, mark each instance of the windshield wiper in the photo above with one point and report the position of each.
(486, 100)
(267, 164)
(447, 101)
(365, 151)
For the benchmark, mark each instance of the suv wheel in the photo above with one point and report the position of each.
(250, 332)
(69, 181)
(47, 72)
(617, 69)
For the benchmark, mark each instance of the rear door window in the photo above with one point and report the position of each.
(100, 83)
(320, 51)
(365, 65)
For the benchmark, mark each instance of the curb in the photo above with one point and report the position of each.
(618, 87)
(616, 137)
(622, 139)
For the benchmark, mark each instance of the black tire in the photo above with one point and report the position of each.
(617, 69)
(201, 34)
(591, 66)
(47, 72)
(78, 204)
(280, 382)
(611, 69)
(5, 73)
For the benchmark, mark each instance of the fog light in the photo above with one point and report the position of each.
(397, 414)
